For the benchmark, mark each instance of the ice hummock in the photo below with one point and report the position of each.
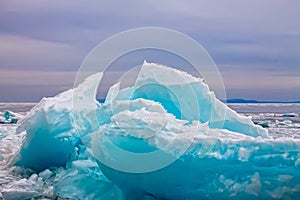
(9, 117)
(189, 98)
(218, 153)
(49, 124)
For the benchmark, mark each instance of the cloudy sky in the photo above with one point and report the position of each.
(255, 44)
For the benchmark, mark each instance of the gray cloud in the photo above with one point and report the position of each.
(247, 39)
(18, 52)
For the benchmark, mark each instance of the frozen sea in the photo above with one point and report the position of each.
(282, 120)
(279, 119)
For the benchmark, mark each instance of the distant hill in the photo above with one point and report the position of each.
(101, 100)
(239, 101)
(255, 101)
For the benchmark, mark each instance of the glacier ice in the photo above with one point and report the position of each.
(165, 137)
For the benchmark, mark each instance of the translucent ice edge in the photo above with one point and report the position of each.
(227, 156)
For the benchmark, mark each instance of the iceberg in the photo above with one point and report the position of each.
(9, 117)
(165, 137)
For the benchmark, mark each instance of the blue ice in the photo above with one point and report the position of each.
(165, 137)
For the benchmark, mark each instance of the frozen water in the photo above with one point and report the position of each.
(9, 117)
(218, 154)
(49, 124)
(187, 98)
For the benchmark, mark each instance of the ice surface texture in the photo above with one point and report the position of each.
(217, 153)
